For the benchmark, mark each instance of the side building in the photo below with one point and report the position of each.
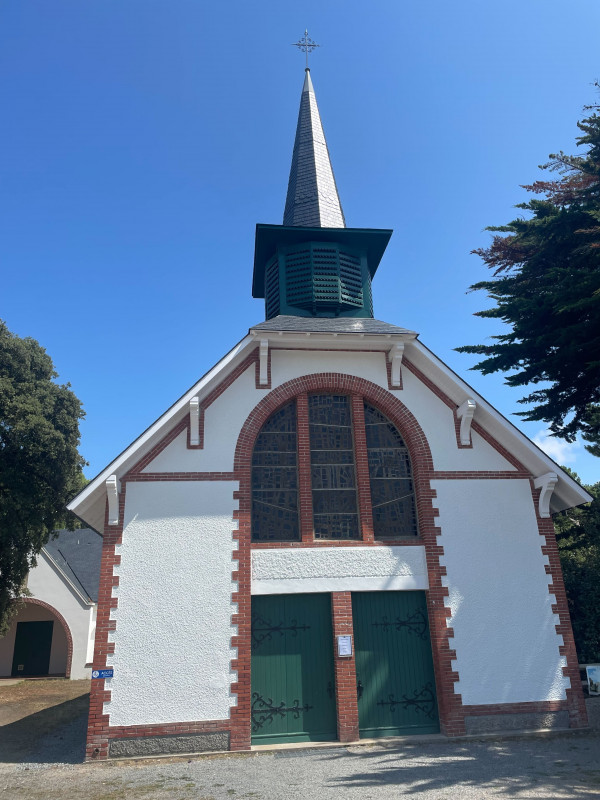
(53, 633)
(330, 536)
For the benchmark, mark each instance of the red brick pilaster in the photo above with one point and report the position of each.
(575, 699)
(361, 458)
(345, 669)
(304, 471)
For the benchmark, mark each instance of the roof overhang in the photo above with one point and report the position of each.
(370, 241)
(90, 504)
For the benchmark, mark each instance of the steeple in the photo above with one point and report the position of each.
(313, 265)
(312, 195)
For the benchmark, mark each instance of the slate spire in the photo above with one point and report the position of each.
(312, 195)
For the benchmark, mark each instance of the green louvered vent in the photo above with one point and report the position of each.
(272, 288)
(321, 278)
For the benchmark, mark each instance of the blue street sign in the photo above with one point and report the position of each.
(103, 673)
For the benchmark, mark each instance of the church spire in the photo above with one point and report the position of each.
(312, 196)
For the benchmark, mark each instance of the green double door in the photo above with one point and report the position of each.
(394, 665)
(293, 688)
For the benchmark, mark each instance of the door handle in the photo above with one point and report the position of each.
(359, 690)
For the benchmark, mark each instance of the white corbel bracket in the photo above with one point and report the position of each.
(195, 421)
(395, 354)
(263, 356)
(465, 413)
(113, 487)
(547, 484)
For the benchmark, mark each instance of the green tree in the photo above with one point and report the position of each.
(40, 466)
(578, 536)
(546, 287)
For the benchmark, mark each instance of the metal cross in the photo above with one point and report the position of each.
(306, 44)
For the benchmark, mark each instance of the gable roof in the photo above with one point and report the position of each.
(89, 505)
(77, 555)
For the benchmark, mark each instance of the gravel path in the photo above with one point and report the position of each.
(558, 768)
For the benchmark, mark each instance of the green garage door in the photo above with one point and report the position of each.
(394, 666)
(293, 690)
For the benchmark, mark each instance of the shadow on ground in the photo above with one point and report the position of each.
(558, 767)
(54, 735)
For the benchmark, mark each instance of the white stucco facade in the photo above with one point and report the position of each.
(347, 569)
(172, 644)
(507, 648)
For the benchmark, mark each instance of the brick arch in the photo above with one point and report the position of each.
(65, 626)
(413, 434)
(450, 704)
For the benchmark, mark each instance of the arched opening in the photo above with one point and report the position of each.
(38, 644)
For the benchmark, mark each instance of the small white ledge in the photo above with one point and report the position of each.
(195, 421)
(263, 354)
(465, 413)
(112, 490)
(547, 484)
(395, 358)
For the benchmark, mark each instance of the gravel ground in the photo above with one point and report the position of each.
(558, 767)
(42, 734)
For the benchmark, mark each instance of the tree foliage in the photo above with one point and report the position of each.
(546, 287)
(40, 466)
(578, 536)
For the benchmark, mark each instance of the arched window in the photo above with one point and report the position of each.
(324, 426)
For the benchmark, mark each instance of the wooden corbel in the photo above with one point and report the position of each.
(113, 487)
(395, 354)
(547, 484)
(465, 413)
(263, 356)
(195, 421)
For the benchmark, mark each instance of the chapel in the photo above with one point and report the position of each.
(330, 536)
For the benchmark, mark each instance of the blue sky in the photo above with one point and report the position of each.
(142, 141)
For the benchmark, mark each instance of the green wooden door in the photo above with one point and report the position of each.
(33, 641)
(394, 665)
(293, 694)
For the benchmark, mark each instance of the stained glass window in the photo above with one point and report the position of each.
(333, 474)
(392, 490)
(275, 479)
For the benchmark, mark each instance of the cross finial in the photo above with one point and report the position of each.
(306, 44)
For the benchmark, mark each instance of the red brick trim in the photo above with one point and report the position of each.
(361, 461)
(575, 700)
(98, 721)
(35, 602)
(179, 476)
(458, 475)
(514, 708)
(414, 542)
(474, 425)
(305, 503)
(345, 669)
(167, 729)
(184, 423)
(450, 704)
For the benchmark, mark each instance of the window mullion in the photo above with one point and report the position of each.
(363, 479)
(304, 475)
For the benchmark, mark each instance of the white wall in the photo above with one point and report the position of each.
(173, 618)
(46, 583)
(504, 628)
(225, 417)
(340, 569)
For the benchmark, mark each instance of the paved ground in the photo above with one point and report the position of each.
(48, 767)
